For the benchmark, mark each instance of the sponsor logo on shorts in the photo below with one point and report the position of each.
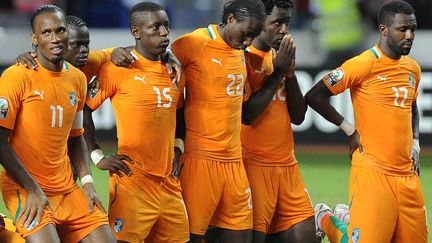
(118, 224)
(32, 225)
(334, 77)
(355, 236)
(4, 107)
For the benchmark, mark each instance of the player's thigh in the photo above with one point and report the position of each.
(294, 205)
(202, 185)
(374, 207)
(14, 201)
(264, 183)
(172, 225)
(234, 211)
(46, 234)
(101, 234)
(134, 206)
(412, 222)
(75, 221)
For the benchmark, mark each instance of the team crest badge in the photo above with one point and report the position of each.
(4, 107)
(355, 236)
(334, 77)
(411, 80)
(73, 98)
(118, 224)
(93, 87)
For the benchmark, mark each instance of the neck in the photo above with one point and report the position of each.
(54, 66)
(260, 44)
(221, 29)
(387, 51)
(146, 54)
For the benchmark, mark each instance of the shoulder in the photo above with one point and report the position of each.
(413, 65)
(197, 38)
(362, 64)
(75, 72)
(17, 71)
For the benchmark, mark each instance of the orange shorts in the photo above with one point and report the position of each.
(280, 198)
(145, 207)
(216, 193)
(69, 214)
(386, 208)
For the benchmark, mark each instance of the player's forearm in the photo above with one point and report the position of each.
(77, 152)
(259, 100)
(295, 101)
(13, 165)
(180, 124)
(89, 130)
(415, 121)
(319, 99)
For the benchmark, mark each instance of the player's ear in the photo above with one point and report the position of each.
(34, 40)
(383, 29)
(231, 19)
(135, 32)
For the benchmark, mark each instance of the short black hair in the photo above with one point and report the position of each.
(270, 4)
(244, 9)
(44, 9)
(391, 8)
(143, 7)
(73, 22)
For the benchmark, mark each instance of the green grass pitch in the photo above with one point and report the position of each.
(325, 174)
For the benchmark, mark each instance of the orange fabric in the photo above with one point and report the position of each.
(144, 102)
(385, 208)
(41, 111)
(150, 209)
(217, 194)
(215, 75)
(70, 214)
(382, 91)
(95, 61)
(268, 141)
(333, 233)
(280, 198)
(8, 231)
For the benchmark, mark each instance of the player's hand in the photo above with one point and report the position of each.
(34, 207)
(415, 157)
(176, 163)
(92, 197)
(284, 58)
(116, 164)
(121, 57)
(27, 59)
(174, 67)
(354, 144)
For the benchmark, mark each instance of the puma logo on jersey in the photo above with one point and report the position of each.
(382, 78)
(140, 79)
(217, 61)
(39, 93)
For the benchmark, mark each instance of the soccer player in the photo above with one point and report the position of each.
(148, 205)
(215, 186)
(273, 100)
(89, 62)
(41, 137)
(386, 199)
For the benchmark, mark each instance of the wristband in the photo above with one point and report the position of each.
(97, 155)
(179, 144)
(347, 127)
(416, 145)
(86, 179)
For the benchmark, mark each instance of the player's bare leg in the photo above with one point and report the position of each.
(48, 234)
(100, 234)
(301, 232)
(235, 236)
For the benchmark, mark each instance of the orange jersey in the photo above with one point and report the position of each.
(215, 75)
(144, 102)
(95, 61)
(269, 139)
(39, 106)
(382, 93)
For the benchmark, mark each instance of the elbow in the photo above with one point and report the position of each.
(311, 99)
(298, 120)
(246, 121)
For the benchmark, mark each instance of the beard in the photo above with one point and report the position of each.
(397, 47)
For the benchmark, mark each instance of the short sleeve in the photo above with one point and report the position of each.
(350, 74)
(187, 48)
(12, 89)
(104, 85)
